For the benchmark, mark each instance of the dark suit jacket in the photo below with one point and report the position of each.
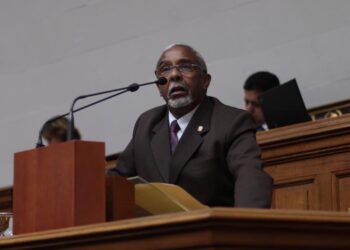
(219, 165)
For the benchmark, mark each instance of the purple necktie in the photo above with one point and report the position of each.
(174, 128)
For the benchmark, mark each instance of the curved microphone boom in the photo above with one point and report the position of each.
(131, 88)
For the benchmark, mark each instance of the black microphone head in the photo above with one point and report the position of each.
(161, 81)
(133, 87)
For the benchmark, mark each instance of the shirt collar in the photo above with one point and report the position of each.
(184, 120)
(264, 126)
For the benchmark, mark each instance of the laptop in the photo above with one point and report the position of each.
(283, 105)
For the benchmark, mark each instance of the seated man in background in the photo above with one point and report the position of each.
(195, 141)
(55, 131)
(255, 85)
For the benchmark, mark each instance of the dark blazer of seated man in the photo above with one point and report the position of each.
(216, 159)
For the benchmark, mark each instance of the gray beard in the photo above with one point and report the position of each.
(180, 102)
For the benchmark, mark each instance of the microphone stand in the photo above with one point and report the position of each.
(71, 116)
(40, 141)
(132, 88)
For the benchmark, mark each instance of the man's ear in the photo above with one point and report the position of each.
(206, 81)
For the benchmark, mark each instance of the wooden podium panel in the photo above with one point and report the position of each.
(62, 185)
(310, 164)
(217, 228)
(120, 198)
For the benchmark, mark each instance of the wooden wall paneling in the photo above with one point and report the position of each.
(295, 193)
(302, 160)
(340, 189)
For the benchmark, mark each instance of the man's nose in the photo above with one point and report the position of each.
(175, 74)
(249, 107)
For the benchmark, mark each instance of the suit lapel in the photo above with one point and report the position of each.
(160, 148)
(191, 139)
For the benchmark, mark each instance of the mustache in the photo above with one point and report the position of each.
(174, 86)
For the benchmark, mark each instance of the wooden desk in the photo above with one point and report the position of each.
(310, 164)
(218, 228)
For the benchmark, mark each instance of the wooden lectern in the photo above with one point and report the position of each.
(62, 185)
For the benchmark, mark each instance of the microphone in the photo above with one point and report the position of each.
(132, 88)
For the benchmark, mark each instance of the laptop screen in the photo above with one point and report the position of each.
(283, 105)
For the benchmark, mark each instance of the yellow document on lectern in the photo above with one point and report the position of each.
(162, 198)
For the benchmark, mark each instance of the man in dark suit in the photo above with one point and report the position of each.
(254, 86)
(211, 152)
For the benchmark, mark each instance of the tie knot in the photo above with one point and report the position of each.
(174, 127)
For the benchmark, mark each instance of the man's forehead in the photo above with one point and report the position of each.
(251, 94)
(178, 53)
